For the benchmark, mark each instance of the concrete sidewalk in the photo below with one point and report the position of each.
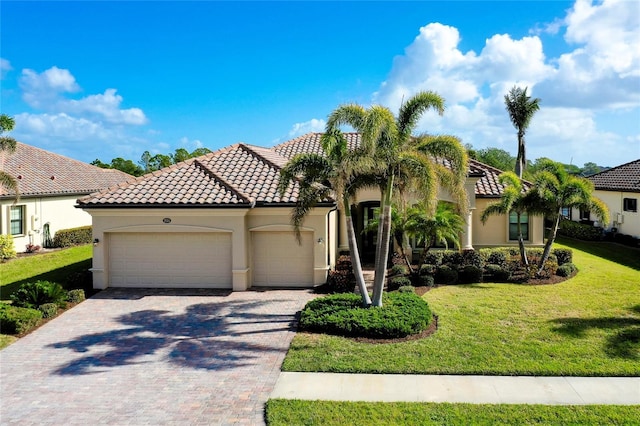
(471, 389)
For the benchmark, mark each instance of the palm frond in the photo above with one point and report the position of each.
(411, 110)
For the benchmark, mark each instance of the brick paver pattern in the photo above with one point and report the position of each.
(131, 356)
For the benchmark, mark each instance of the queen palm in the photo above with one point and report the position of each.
(402, 161)
(521, 108)
(513, 199)
(333, 175)
(557, 189)
(7, 145)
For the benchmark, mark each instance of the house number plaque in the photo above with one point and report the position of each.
(166, 220)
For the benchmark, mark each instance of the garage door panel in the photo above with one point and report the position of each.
(172, 260)
(278, 259)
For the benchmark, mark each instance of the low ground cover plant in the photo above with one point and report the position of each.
(35, 294)
(402, 314)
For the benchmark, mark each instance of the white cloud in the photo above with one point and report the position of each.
(313, 125)
(5, 66)
(190, 144)
(49, 89)
(60, 125)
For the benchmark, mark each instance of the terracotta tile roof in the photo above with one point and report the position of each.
(237, 176)
(241, 175)
(625, 177)
(43, 173)
(487, 186)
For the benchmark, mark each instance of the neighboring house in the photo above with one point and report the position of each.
(217, 221)
(49, 186)
(619, 188)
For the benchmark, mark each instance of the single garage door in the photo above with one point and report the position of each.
(278, 260)
(171, 260)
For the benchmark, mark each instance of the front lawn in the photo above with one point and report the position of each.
(54, 266)
(326, 413)
(586, 326)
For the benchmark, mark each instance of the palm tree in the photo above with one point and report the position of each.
(556, 190)
(521, 108)
(7, 145)
(403, 161)
(513, 199)
(321, 177)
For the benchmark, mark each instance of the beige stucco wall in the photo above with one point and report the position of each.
(626, 222)
(59, 212)
(495, 232)
(240, 222)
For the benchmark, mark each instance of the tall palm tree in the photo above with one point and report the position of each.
(403, 161)
(514, 199)
(521, 109)
(556, 190)
(333, 175)
(7, 145)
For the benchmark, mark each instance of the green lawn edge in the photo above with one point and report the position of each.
(586, 326)
(296, 412)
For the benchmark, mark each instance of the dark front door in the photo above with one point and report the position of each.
(363, 214)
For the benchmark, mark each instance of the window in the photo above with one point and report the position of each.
(16, 223)
(566, 212)
(585, 214)
(513, 226)
(630, 204)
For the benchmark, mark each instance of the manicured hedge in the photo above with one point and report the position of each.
(7, 250)
(16, 320)
(579, 231)
(73, 237)
(402, 314)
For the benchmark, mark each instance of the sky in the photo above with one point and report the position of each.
(90, 79)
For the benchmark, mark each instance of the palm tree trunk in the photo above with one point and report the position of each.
(547, 247)
(355, 255)
(523, 251)
(382, 251)
(520, 159)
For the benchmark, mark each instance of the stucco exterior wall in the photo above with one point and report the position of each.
(625, 221)
(58, 212)
(495, 232)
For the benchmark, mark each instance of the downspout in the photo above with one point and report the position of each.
(335, 208)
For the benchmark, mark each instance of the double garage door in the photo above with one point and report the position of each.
(204, 260)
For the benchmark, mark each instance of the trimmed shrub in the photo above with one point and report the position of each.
(579, 230)
(497, 273)
(49, 310)
(7, 250)
(339, 282)
(423, 281)
(76, 295)
(434, 258)
(566, 270)
(452, 257)
(399, 270)
(397, 282)
(32, 295)
(550, 268)
(407, 289)
(470, 274)
(73, 237)
(446, 275)
(17, 320)
(402, 314)
(563, 255)
(472, 258)
(428, 269)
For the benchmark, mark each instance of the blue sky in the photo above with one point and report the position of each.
(108, 79)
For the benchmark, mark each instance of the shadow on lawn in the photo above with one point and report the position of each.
(613, 252)
(212, 336)
(625, 343)
(62, 275)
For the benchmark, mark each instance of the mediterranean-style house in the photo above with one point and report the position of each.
(619, 189)
(217, 221)
(49, 186)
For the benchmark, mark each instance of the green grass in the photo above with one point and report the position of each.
(586, 326)
(327, 413)
(55, 266)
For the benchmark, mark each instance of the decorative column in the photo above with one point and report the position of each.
(467, 235)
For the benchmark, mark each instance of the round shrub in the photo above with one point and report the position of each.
(49, 310)
(399, 270)
(446, 275)
(470, 274)
(340, 282)
(473, 258)
(428, 269)
(550, 268)
(563, 255)
(397, 282)
(16, 320)
(32, 295)
(423, 281)
(7, 250)
(452, 257)
(407, 289)
(76, 295)
(498, 273)
(402, 314)
(434, 258)
(566, 270)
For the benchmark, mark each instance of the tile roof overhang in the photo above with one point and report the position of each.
(622, 178)
(240, 176)
(41, 173)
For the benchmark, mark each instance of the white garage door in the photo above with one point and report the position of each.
(172, 260)
(278, 260)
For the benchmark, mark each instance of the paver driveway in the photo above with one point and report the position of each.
(152, 357)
